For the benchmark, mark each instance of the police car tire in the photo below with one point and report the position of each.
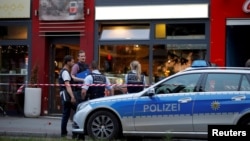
(245, 121)
(106, 117)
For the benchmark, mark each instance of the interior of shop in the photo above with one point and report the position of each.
(13, 66)
(237, 45)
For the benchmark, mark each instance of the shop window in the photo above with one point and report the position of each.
(180, 31)
(125, 32)
(172, 58)
(13, 59)
(13, 32)
(13, 74)
(115, 60)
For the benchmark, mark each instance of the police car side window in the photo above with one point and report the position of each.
(179, 84)
(245, 86)
(222, 82)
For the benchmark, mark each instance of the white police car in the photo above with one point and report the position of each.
(182, 105)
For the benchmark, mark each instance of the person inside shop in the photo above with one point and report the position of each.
(92, 88)
(247, 64)
(66, 92)
(135, 77)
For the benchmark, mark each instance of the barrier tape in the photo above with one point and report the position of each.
(20, 89)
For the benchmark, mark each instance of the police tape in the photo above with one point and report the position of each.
(20, 89)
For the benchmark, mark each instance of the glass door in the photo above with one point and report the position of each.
(58, 52)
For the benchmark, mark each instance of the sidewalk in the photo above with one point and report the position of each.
(43, 126)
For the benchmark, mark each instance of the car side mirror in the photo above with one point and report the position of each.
(151, 92)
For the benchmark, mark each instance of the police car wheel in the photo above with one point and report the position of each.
(244, 121)
(103, 125)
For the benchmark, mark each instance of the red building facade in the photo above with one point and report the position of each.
(41, 43)
(221, 13)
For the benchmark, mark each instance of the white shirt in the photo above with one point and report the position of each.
(89, 80)
(66, 76)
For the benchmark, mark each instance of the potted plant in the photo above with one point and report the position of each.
(33, 93)
(34, 77)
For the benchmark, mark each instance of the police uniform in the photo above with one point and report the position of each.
(67, 105)
(101, 82)
(131, 79)
(64, 76)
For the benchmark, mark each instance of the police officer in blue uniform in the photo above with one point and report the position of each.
(134, 79)
(95, 83)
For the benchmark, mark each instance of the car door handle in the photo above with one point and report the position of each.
(239, 98)
(185, 100)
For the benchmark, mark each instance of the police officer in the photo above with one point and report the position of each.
(95, 83)
(134, 79)
(67, 104)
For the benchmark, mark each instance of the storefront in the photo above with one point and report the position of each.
(15, 44)
(165, 37)
(230, 26)
(60, 27)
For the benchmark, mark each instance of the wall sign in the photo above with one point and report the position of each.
(246, 6)
(55, 10)
(15, 9)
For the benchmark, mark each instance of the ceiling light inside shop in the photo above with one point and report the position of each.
(125, 32)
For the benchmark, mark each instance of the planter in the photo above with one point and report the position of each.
(32, 102)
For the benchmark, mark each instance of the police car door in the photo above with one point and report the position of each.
(170, 109)
(222, 99)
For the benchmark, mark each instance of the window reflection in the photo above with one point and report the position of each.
(13, 59)
(180, 84)
(115, 59)
(13, 32)
(172, 58)
(222, 82)
(181, 31)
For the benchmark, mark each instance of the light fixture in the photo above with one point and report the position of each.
(88, 11)
(36, 12)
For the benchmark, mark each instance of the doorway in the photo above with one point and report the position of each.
(58, 49)
(237, 45)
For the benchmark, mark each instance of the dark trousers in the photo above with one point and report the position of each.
(77, 94)
(67, 106)
(78, 97)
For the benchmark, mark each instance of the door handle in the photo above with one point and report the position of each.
(238, 98)
(185, 100)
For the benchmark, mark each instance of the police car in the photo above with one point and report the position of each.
(181, 105)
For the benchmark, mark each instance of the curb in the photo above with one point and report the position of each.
(26, 134)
